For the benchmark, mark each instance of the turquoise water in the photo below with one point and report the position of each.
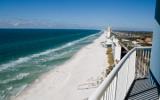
(25, 54)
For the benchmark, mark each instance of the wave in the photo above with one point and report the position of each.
(17, 77)
(27, 58)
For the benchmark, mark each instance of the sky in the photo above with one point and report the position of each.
(96, 14)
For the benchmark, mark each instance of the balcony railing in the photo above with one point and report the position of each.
(134, 65)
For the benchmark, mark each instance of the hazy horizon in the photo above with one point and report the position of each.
(77, 14)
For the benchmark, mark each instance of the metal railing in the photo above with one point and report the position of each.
(135, 64)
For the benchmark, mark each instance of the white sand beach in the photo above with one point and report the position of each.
(74, 80)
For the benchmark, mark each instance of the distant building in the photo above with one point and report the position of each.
(109, 30)
(113, 42)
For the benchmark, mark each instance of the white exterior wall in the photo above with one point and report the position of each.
(105, 32)
(118, 53)
(155, 55)
(116, 49)
(108, 32)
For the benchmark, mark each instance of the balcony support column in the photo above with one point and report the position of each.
(155, 55)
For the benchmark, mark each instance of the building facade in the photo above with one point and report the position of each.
(155, 58)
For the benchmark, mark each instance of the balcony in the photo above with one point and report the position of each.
(131, 79)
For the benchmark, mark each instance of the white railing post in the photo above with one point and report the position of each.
(115, 87)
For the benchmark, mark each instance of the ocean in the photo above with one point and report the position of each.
(25, 54)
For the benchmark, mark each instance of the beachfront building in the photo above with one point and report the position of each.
(108, 32)
(113, 42)
(116, 50)
(137, 75)
(108, 42)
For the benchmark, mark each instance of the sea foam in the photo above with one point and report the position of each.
(27, 58)
(17, 77)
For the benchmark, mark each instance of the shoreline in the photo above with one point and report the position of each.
(76, 79)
